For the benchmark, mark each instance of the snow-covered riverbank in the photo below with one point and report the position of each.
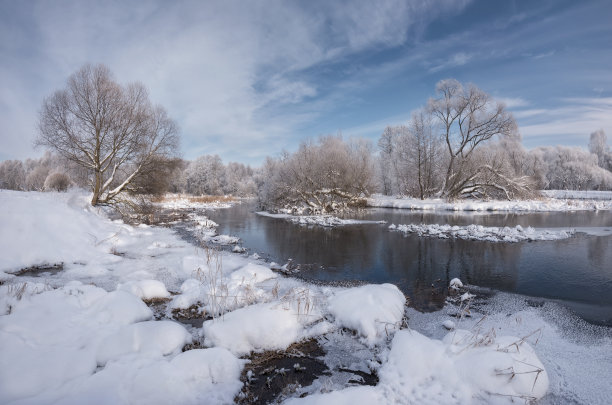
(546, 204)
(91, 329)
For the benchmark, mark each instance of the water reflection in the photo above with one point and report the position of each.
(576, 269)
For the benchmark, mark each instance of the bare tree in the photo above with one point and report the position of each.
(426, 154)
(468, 117)
(320, 177)
(12, 175)
(111, 130)
(386, 159)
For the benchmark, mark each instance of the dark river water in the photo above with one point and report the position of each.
(577, 272)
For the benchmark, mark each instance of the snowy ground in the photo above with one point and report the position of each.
(546, 204)
(578, 194)
(90, 331)
(178, 201)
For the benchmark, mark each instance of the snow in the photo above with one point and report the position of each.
(448, 324)
(85, 332)
(484, 233)
(153, 338)
(53, 336)
(576, 355)
(455, 283)
(319, 220)
(49, 236)
(542, 205)
(145, 289)
(374, 311)
(461, 368)
(269, 326)
(578, 194)
(177, 201)
(217, 293)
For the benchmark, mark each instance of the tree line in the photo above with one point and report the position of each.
(462, 143)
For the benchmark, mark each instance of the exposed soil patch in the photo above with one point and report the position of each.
(190, 316)
(274, 374)
(40, 270)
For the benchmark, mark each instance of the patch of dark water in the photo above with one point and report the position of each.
(271, 375)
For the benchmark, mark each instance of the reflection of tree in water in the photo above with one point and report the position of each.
(600, 251)
(344, 249)
(489, 264)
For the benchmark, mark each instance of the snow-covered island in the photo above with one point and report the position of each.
(91, 309)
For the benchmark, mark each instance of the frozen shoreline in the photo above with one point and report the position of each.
(544, 205)
(90, 316)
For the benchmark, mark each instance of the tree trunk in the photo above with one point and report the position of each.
(96, 189)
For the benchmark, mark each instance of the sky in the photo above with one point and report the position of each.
(248, 79)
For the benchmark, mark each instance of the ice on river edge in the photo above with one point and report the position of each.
(64, 340)
(484, 233)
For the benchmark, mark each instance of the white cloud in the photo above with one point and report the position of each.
(227, 71)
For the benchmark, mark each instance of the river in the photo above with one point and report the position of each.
(576, 272)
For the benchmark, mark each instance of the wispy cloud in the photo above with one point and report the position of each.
(513, 102)
(458, 59)
(570, 123)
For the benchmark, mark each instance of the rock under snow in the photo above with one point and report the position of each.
(374, 311)
(145, 289)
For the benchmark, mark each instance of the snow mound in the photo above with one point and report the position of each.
(484, 233)
(145, 289)
(200, 376)
(462, 368)
(51, 337)
(50, 229)
(455, 284)
(153, 338)
(267, 326)
(374, 311)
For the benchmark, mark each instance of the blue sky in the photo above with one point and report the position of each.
(247, 79)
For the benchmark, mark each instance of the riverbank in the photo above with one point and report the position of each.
(553, 201)
(99, 317)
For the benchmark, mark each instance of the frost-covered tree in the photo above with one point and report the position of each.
(239, 180)
(411, 158)
(570, 168)
(386, 159)
(468, 118)
(12, 175)
(35, 179)
(598, 144)
(205, 175)
(57, 182)
(322, 176)
(112, 131)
